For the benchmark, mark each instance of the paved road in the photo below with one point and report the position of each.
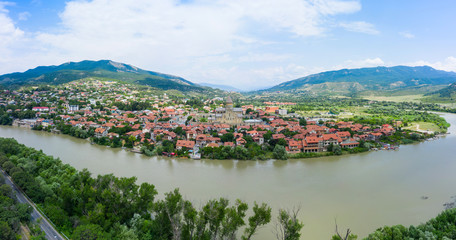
(47, 228)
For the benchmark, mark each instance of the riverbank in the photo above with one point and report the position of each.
(73, 224)
(257, 152)
(351, 188)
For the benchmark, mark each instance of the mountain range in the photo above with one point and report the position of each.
(71, 71)
(360, 80)
(221, 87)
(377, 80)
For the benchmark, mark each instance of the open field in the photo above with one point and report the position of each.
(423, 126)
(450, 105)
(404, 98)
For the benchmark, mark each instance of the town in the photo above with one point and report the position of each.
(123, 115)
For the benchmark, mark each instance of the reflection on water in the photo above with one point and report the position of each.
(363, 191)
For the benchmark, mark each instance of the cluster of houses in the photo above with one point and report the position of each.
(309, 138)
(161, 123)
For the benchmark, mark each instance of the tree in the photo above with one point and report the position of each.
(282, 142)
(280, 152)
(337, 150)
(288, 226)
(302, 122)
(227, 137)
(5, 190)
(347, 236)
(261, 216)
(214, 212)
(88, 232)
(6, 232)
(179, 131)
(234, 219)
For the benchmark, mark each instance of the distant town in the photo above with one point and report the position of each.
(123, 115)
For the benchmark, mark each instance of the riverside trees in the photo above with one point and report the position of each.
(107, 207)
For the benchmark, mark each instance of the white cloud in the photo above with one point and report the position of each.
(368, 62)
(10, 36)
(407, 35)
(258, 77)
(8, 30)
(184, 39)
(448, 64)
(23, 16)
(303, 18)
(361, 27)
(263, 57)
(202, 40)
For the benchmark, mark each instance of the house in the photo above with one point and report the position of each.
(278, 136)
(259, 140)
(113, 135)
(108, 125)
(350, 143)
(101, 132)
(344, 135)
(191, 134)
(331, 138)
(212, 145)
(40, 109)
(312, 144)
(201, 140)
(229, 144)
(374, 136)
(184, 144)
(240, 142)
(294, 146)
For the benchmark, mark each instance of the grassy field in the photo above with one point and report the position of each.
(450, 105)
(347, 112)
(423, 126)
(404, 98)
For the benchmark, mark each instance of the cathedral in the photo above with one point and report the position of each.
(228, 114)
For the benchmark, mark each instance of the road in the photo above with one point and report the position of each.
(47, 228)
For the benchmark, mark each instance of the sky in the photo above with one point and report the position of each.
(247, 44)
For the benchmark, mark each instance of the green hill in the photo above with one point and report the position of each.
(71, 71)
(447, 94)
(379, 79)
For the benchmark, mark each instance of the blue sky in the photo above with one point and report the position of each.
(243, 43)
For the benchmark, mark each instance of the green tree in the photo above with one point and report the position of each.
(227, 137)
(337, 150)
(89, 232)
(261, 216)
(288, 225)
(234, 219)
(280, 152)
(6, 232)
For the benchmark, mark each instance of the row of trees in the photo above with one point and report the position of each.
(14, 214)
(107, 207)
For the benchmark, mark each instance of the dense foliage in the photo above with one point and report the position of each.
(442, 227)
(107, 207)
(12, 213)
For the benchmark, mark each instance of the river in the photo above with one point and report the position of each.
(363, 191)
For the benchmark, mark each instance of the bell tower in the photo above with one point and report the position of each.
(229, 103)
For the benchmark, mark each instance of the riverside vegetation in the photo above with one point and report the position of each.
(107, 207)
